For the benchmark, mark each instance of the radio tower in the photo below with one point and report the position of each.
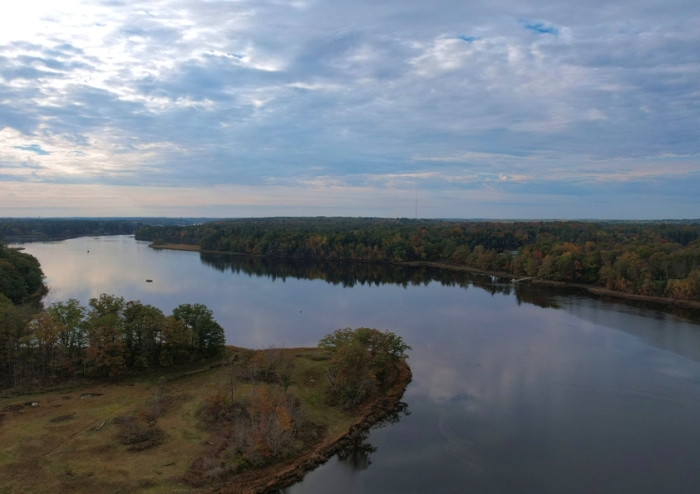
(416, 212)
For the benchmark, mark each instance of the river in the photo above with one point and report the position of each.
(518, 389)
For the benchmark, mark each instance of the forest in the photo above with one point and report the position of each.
(106, 339)
(28, 229)
(646, 258)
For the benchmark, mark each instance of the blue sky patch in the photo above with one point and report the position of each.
(34, 148)
(541, 28)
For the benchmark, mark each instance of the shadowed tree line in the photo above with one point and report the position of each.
(28, 229)
(20, 274)
(648, 258)
(38, 229)
(108, 338)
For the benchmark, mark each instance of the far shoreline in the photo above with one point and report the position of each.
(593, 289)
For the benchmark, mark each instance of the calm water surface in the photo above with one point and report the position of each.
(515, 389)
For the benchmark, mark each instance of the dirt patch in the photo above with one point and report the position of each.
(310, 378)
(89, 395)
(315, 356)
(193, 248)
(62, 418)
(138, 435)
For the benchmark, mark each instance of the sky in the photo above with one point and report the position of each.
(494, 109)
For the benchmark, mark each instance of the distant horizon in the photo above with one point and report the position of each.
(208, 219)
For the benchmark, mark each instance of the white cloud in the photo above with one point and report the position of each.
(331, 94)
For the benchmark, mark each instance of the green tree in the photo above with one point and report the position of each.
(73, 337)
(177, 342)
(362, 360)
(143, 326)
(107, 350)
(200, 319)
(12, 323)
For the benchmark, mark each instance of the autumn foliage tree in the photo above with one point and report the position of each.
(363, 360)
(256, 426)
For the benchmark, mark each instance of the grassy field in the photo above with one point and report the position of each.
(68, 441)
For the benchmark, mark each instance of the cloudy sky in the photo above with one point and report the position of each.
(498, 109)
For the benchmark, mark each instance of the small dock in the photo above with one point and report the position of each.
(523, 279)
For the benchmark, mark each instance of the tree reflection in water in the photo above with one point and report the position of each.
(350, 274)
(355, 455)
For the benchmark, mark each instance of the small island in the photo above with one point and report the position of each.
(118, 396)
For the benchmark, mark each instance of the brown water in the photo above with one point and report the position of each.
(516, 389)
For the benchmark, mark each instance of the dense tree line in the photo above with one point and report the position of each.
(649, 258)
(20, 274)
(34, 228)
(105, 339)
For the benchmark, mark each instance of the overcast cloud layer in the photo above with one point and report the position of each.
(235, 108)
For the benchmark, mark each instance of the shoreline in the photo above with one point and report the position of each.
(592, 289)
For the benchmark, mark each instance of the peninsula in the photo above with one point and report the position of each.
(120, 396)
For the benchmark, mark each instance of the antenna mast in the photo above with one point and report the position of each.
(416, 203)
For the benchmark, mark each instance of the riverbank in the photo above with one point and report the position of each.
(593, 289)
(73, 439)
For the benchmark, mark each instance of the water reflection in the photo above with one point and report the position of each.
(540, 296)
(345, 274)
(596, 309)
(355, 455)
